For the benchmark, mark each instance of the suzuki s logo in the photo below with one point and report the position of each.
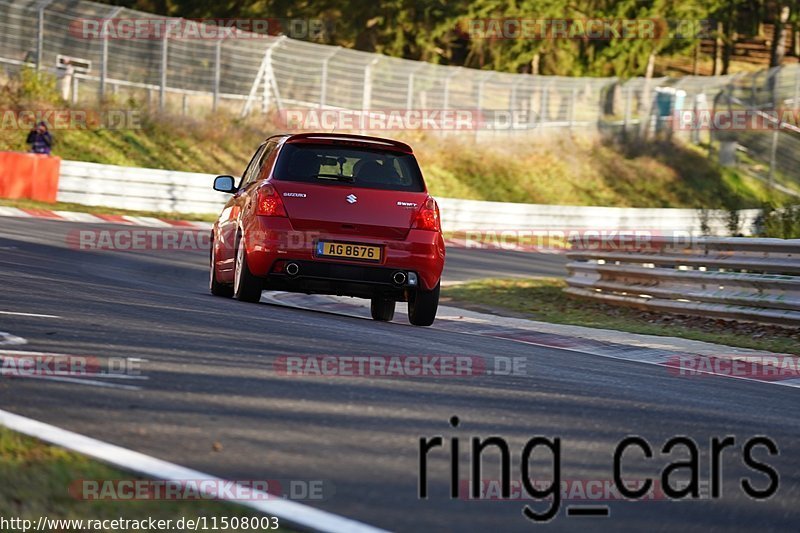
(351, 198)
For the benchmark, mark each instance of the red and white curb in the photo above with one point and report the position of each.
(72, 216)
(294, 513)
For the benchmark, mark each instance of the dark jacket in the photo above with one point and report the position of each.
(41, 143)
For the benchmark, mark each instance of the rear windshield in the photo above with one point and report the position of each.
(353, 166)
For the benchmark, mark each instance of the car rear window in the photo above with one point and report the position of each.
(353, 166)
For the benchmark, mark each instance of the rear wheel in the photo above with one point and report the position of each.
(422, 306)
(382, 309)
(246, 286)
(217, 288)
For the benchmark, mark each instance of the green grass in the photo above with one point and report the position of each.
(101, 210)
(543, 299)
(36, 477)
(552, 168)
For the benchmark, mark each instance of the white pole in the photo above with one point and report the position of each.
(366, 95)
(40, 34)
(323, 90)
(446, 100)
(217, 68)
(162, 96)
(104, 60)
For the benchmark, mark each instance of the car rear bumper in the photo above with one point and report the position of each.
(272, 244)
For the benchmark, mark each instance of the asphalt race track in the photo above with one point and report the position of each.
(210, 378)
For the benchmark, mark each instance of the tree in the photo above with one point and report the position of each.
(779, 36)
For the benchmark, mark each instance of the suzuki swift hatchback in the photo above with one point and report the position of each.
(331, 214)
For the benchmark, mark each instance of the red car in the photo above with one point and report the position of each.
(323, 213)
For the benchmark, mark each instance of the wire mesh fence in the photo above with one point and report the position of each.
(243, 72)
(769, 101)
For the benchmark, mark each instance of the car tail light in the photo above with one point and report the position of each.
(269, 204)
(428, 216)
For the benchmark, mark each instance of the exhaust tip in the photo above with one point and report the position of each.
(399, 278)
(292, 269)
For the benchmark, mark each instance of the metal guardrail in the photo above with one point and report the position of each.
(738, 278)
(138, 188)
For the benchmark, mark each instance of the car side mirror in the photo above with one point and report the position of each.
(225, 184)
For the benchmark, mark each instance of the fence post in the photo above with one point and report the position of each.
(773, 153)
(410, 90)
(269, 78)
(323, 90)
(515, 115)
(544, 102)
(410, 86)
(217, 71)
(265, 96)
(537, 115)
(104, 69)
(40, 33)
(104, 57)
(366, 95)
(628, 101)
(162, 96)
(481, 83)
(796, 100)
(446, 99)
(571, 109)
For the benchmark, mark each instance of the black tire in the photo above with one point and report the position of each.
(422, 306)
(246, 286)
(382, 309)
(217, 288)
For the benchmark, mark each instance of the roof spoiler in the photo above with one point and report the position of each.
(386, 143)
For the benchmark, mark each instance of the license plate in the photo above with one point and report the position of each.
(363, 252)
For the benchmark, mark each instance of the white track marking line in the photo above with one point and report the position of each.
(71, 375)
(295, 513)
(7, 339)
(78, 381)
(35, 315)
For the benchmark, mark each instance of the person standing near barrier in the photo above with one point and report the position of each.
(40, 139)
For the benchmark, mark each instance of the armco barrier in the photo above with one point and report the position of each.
(138, 188)
(186, 192)
(739, 278)
(31, 176)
